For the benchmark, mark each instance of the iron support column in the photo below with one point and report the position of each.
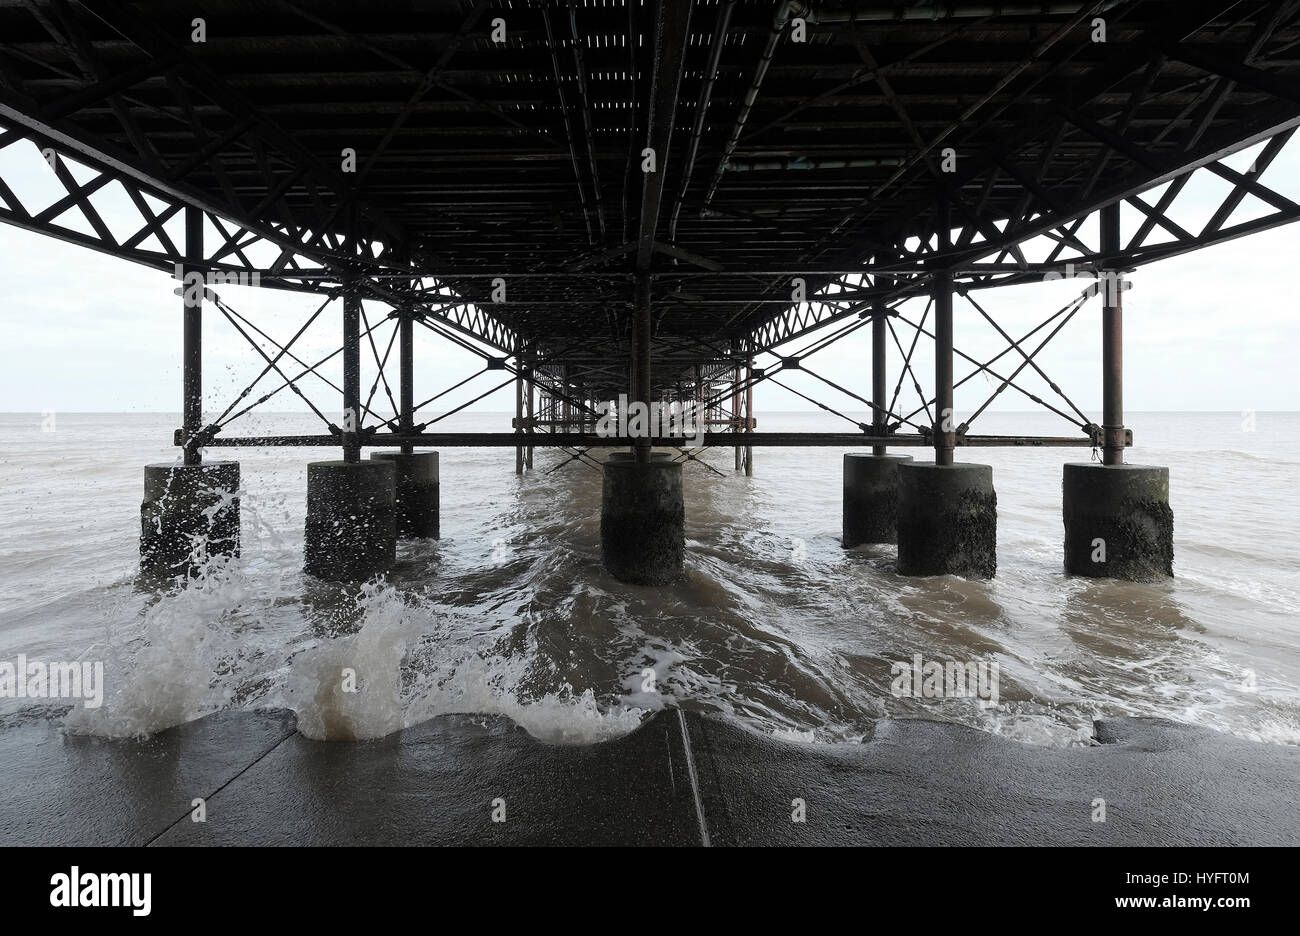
(735, 396)
(1112, 341)
(406, 351)
(519, 405)
(945, 436)
(749, 415)
(878, 387)
(351, 371)
(528, 413)
(192, 328)
(641, 358)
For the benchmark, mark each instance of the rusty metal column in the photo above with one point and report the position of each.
(528, 413)
(194, 502)
(351, 370)
(519, 404)
(749, 415)
(945, 436)
(192, 360)
(1112, 342)
(641, 357)
(406, 361)
(947, 517)
(735, 396)
(567, 406)
(879, 390)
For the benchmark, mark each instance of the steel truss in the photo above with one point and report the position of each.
(285, 219)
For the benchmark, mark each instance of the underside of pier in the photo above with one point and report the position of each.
(656, 203)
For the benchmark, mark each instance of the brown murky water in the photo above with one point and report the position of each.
(775, 624)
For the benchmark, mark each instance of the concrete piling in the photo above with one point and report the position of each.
(351, 531)
(631, 456)
(417, 497)
(184, 507)
(870, 498)
(1118, 523)
(947, 520)
(643, 521)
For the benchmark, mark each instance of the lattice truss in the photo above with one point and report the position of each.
(112, 130)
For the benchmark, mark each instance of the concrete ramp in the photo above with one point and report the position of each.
(679, 779)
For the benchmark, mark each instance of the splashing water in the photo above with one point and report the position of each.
(775, 624)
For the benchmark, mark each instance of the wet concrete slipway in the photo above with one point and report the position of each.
(679, 779)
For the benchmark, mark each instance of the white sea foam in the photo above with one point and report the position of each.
(387, 700)
(163, 671)
(183, 661)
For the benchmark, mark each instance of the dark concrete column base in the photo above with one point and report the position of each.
(631, 456)
(351, 519)
(416, 483)
(871, 498)
(643, 521)
(183, 506)
(1118, 523)
(947, 520)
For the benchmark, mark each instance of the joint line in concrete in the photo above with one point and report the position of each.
(257, 760)
(695, 781)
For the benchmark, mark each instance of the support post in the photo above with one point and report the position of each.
(879, 388)
(406, 353)
(567, 405)
(641, 357)
(528, 412)
(642, 513)
(1118, 523)
(947, 512)
(192, 328)
(735, 396)
(415, 474)
(351, 371)
(870, 505)
(190, 511)
(519, 406)
(749, 415)
(945, 435)
(1112, 342)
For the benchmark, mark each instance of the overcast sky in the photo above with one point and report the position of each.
(1213, 330)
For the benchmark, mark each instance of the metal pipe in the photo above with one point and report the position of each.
(519, 407)
(568, 124)
(879, 386)
(735, 398)
(1112, 342)
(580, 67)
(192, 336)
(528, 407)
(942, 11)
(749, 416)
(406, 361)
(944, 438)
(701, 112)
(351, 371)
(794, 163)
(846, 440)
(945, 435)
(779, 21)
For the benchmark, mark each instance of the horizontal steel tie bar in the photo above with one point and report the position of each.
(578, 440)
